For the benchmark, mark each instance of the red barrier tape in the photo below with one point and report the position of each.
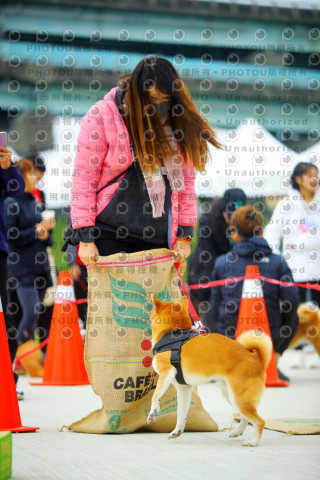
(25, 354)
(184, 287)
(231, 280)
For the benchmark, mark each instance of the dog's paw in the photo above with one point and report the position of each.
(175, 434)
(249, 444)
(153, 416)
(235, 434)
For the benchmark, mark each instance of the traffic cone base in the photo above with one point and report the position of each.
(64, 363)
(253, 315)
(10, 419)
(273, 379)
(277, 383)
(19, 429)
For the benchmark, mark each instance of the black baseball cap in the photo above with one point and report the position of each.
(234, 198)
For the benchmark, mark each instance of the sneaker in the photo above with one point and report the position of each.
(282, 376)
(20, 393)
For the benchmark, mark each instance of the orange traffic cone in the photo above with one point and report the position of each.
(253, 315)
(10, 419)
(64, 363)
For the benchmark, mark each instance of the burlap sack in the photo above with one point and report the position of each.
(118, 352)
(295, 426)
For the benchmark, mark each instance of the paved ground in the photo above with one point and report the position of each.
(49, 454)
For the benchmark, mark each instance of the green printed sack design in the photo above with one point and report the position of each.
(118, 350)
(128, 316)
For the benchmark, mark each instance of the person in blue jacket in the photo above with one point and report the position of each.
(251, 249)
(12, 184)
(28, 238)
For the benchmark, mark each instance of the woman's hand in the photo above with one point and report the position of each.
(181, 250)
(5, 158)
(88, 253)
(42, 232)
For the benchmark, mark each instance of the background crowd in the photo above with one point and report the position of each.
(230, 236)
(154, 163)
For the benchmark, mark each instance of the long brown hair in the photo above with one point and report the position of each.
(190, 130)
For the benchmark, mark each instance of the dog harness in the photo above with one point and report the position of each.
(173, 341)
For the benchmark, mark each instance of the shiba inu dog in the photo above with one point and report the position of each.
(238, 367)
(309, 326)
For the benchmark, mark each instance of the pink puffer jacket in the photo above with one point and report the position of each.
(103, 152)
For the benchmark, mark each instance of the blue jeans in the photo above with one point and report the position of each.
(31, 303)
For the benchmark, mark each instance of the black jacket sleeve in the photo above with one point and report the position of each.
(202, 259)
(211, 318)
(289, 302)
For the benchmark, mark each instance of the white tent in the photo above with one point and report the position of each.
(252, 160)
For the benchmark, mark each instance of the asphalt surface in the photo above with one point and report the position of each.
(50, 454)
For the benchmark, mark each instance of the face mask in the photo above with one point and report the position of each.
(163, 107)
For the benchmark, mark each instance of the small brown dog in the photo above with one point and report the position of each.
(238, 367)
(309, 326)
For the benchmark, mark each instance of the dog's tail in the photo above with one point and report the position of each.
(259, 341)
(307, 312)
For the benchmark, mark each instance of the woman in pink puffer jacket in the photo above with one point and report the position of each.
(137, 153)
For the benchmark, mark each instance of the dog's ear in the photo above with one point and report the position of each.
(156, 302)
(184, 301)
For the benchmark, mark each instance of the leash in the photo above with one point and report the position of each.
(197, 324)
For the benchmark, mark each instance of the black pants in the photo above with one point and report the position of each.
(15, 313)
(81, 292)
(307, 294)
(11, 329)
(108, 244)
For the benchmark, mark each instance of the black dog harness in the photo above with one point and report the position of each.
(173, 341)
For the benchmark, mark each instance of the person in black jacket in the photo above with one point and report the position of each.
(12, 184)
(45, 316)
(212, 242)
(251, 249)
(28, 265)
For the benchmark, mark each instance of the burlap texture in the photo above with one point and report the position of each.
(118, 350)
(295, 426)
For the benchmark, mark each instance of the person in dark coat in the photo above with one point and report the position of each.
(44, 321)
(212, 242)
(251, 249)
(11, 184)
(28, 238)
(45, 316)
